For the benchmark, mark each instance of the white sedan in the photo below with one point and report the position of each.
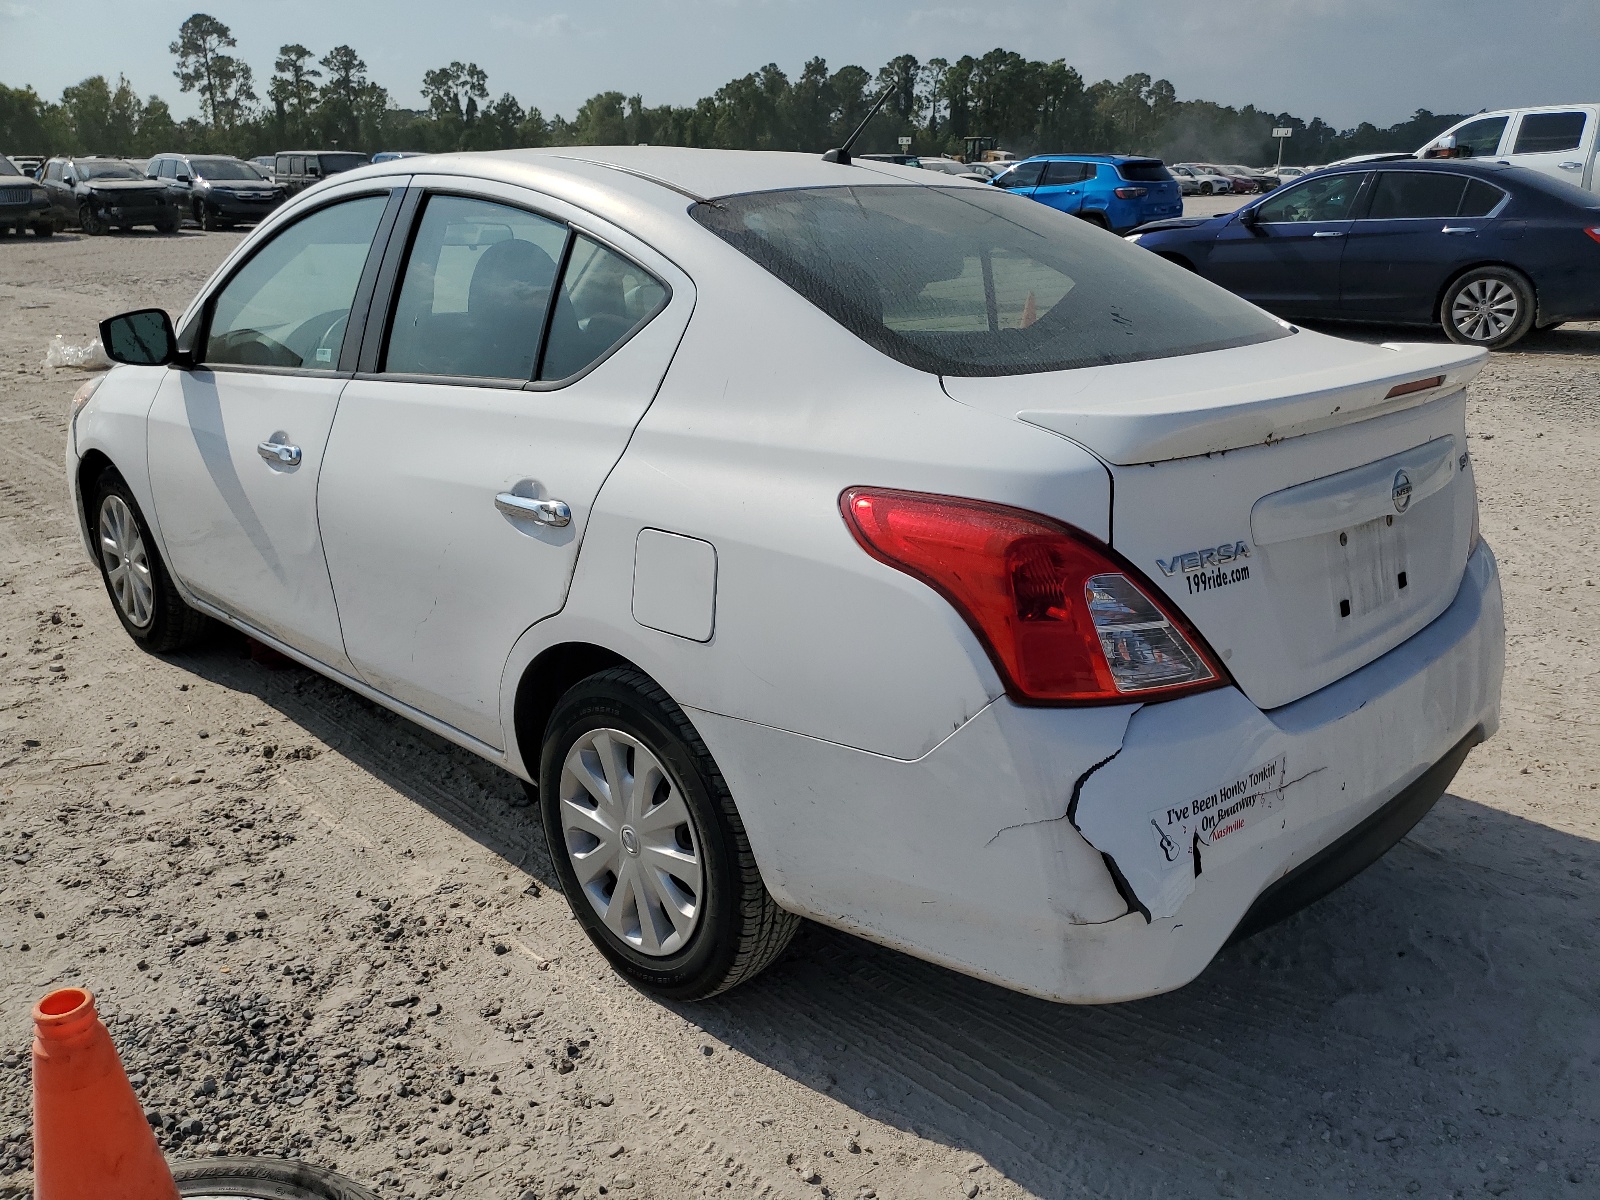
(822, 540)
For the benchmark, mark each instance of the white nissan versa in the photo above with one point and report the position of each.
(825, 540)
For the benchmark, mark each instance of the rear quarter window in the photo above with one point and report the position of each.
(972, 282)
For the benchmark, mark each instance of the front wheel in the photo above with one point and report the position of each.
(141, 590)
(90, 221)
(648, 845)
(1206, 189)
(1490, 307)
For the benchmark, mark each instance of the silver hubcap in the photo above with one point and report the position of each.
(630, 841)
(127, 565)
(1485, 309)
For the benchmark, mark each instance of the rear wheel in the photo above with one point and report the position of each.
(1490, 307)
(1095, 219)
(648, 845)
(141, 590)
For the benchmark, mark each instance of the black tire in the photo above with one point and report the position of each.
(204, 217)
(171, 624)
(1206, 189)
(1490, 307)
(170, 224)
(264, 1179)
(740, 929)
(43, 228)
(89, 221)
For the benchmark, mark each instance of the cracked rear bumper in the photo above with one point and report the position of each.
(967, 856)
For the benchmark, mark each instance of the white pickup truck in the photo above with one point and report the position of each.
(1559, 140)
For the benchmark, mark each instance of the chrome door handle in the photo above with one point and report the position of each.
(1327, 233)
(1458, 229)
(279, 454)
(1570, 166)
(546, 512)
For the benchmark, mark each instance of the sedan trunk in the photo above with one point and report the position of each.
(1307, 503)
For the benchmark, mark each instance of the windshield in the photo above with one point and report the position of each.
(223, 168)
(7, 167)
(106, 170)
(968, 281)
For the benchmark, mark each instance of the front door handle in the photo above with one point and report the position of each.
(1458, 229)
(1327, 233)
(1570, 166)
(279, 453)
(554, 513)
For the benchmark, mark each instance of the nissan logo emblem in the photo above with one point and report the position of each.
(1402, 491)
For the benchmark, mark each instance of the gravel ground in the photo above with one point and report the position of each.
(318, 931)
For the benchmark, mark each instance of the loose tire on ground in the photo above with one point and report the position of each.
(733, 929)
(141, 591)
(1490, 307)
(264, 1179)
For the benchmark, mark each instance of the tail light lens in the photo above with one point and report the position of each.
(1130, 193)
(1594, 233)
(1063, 618)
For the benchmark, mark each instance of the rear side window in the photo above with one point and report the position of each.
(476, 290)
(1402, 194)
(1549, 133)
(604, 297)
(1149, 171)
(971, 282)
(288, 306)
(1480, 200)
(1067, 172)
(1026, 175)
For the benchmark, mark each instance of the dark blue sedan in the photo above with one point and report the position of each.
(1487, 251)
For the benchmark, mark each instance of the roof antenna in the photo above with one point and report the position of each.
(842, 154)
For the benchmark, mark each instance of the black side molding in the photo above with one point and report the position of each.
(1357, 850)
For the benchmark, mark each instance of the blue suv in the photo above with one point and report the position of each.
(1117, 191)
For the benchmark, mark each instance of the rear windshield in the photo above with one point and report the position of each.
(973, 281)
(332, 164)
(1149, 171)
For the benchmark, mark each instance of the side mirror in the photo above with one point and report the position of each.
(182, 177)
(143, 338)
(1248, 217)
(68, 178)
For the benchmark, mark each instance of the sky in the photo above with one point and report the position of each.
(1344, 60)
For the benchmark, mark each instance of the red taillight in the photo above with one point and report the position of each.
(1064, 619)
(1130, 193)
(1594, 233)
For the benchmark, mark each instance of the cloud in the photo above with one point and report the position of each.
(16, 11)
(551, 26)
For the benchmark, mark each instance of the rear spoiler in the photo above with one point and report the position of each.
(1128, 429)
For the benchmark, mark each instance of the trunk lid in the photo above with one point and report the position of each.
(1304, 517)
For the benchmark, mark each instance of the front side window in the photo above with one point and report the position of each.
(970, 282)
(1329, 198)
(1549, 133)
(53, 171)
(1480, 139)
(288, 306)
(476, 290)
(604, 297)
(1024, 176)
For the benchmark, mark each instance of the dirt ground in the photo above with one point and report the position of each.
(316, 930)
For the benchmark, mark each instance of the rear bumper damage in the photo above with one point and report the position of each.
(1097, 855)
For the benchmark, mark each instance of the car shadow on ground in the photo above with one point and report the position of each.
(1432, 1026)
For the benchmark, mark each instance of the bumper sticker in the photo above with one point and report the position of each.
(1156, 856)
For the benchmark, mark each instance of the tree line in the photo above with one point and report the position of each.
(329, 102)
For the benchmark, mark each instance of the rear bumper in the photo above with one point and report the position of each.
(1012, 851)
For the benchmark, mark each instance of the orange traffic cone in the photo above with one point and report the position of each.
(90, 1138)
